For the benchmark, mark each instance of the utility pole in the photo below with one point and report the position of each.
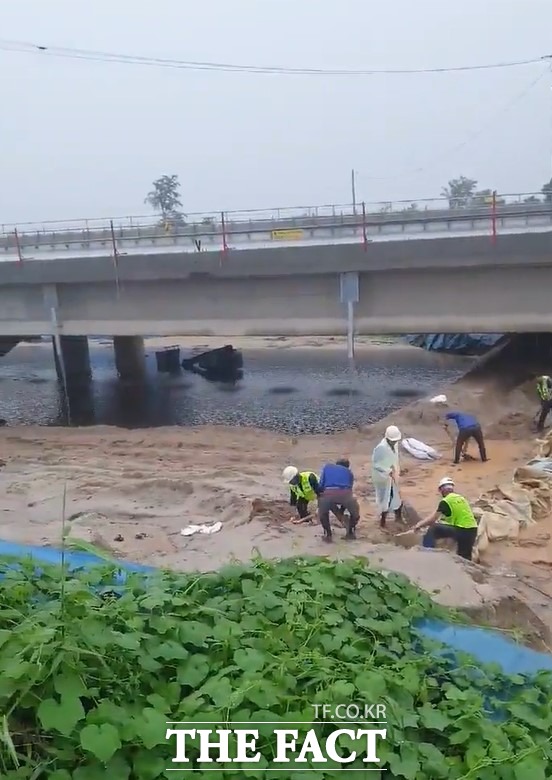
(353, 190)
(548, 59)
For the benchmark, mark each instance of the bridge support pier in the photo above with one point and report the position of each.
(129, 356)
(349, 294)
(73, 364)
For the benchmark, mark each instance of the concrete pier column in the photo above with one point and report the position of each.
(74, 359)
(129, 356)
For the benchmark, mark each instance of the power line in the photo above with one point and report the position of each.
(159, 62)
(470, 137)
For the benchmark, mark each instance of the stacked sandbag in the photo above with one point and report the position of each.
(501, 513)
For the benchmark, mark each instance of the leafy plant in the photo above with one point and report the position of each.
(459, 192)
(165, 198)
(87, 685)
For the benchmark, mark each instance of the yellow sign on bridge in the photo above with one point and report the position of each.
(287, 235)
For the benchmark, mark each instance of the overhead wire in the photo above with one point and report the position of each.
(27, 47)
(470, 137)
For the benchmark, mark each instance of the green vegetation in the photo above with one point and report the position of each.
(462, 192)
(87, 683)
(165, 199)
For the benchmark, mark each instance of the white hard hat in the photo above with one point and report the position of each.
(288, 473)
(392, 433)
(446, 482)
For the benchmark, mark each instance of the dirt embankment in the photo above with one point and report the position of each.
(133, 491)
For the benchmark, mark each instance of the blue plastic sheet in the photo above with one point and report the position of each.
(457, 343)
(487, 647)
(74, 560)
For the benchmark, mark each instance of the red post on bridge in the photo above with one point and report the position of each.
(493, 218)
(223, 227)
(364, 234)
(18, 245)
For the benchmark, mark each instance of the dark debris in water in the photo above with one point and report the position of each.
(341, 391)
(406, 392)
(282, 390)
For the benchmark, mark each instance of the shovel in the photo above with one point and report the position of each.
(409, 518)
(404, 505)
(406, 533)
(406, 539)
(301, 520)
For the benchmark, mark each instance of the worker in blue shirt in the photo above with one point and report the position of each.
(335, 494)
(468, 428)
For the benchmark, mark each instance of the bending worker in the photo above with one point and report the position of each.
(544, 390)
(335, 494)
(303, 488)
(453, 519)
(385, 475)
(468, 428)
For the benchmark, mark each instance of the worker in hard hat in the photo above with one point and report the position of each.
(453, 519)
(468, 427)
(335, 495)
(385, 475)
(303, 488)
(544, 391)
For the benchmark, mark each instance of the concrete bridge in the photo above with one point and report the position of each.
(273, 228)
(455, 280)
(443, 285)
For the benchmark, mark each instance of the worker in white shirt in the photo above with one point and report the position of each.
(385, 475)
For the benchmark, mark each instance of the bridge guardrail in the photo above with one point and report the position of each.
(224, 225)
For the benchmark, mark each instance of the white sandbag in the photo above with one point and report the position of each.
(438, 399)
(190, 530)
(541, 464)
(419, 450)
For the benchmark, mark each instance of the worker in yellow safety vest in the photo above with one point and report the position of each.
(303, 488)
(453, 519)
(544, 391)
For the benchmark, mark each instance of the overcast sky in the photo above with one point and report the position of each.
(85, 138)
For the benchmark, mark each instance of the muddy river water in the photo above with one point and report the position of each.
(290, 390)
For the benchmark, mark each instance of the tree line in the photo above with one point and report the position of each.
(463, 192)
(164, 197)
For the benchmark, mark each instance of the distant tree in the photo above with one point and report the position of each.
(547, 191)
(165, 199)
(459, 192)
(412, 207)
(532, 199)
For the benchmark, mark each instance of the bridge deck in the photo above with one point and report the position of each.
(320, 236)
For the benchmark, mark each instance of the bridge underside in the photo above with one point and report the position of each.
(445, 300)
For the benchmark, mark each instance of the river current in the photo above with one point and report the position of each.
(289, 390)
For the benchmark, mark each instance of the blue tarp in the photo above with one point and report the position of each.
(458, 343)
(73, 559)
(488, 647)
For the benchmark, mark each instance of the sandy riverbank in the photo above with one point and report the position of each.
(133, 491)
(254, 343)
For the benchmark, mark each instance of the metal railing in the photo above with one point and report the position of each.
(219, 227)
